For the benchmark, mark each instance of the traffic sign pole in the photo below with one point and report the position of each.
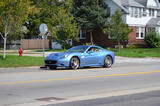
(43, 43)
(43, 29)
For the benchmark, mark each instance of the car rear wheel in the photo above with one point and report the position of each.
(74, 63)
(108, 61)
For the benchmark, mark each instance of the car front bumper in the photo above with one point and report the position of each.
(57, 63)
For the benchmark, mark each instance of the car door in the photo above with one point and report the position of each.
(91, 57)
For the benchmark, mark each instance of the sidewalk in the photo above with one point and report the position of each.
(27, 53)
(11, 51)
(119, 59)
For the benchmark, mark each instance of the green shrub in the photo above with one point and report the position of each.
(131, 46)
(152, 40)
(89, 44)
(66, 46)
(117, 46)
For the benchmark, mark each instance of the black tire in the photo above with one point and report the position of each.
(108, 61)
(74, 63)
(52, 67)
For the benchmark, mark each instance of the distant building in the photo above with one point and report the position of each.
(140, 15)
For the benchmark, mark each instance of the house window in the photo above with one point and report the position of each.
(151, 29)
(137, 32)
(82, 34)
(158, 13)
(140, 12)
(136, 12)
(140, 32)
(131, 11)
(151, 13)
(144, 12)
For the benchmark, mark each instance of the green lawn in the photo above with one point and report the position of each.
(138, 52)
(17, 61)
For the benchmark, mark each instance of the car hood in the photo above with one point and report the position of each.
(56, 55)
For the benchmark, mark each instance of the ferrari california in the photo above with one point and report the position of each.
(81, 56)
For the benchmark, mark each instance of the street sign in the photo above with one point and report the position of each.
(43, 28)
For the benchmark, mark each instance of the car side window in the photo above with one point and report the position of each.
(96, 49)
(93, 49)
(90, 50)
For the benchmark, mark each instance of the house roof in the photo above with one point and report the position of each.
(131, 3)
(118, 2)
(154, 22)
(135, 3)
(122, 3)
(142, 2)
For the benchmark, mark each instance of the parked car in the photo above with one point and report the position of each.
(81, 56)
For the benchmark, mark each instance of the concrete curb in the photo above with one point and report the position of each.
(19, 67)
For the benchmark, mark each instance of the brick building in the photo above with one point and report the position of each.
(140, 15)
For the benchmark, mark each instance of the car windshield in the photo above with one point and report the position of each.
(78, 49)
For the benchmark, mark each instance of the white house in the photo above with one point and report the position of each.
(141, 15)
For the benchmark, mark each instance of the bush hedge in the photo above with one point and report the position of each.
(152, 40)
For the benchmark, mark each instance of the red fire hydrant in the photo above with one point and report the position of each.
(20, 52)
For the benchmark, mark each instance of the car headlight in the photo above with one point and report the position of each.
(65, 56)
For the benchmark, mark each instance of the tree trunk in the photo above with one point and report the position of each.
(4, 48)
(91, 37)
(119, 46)
(5, 40)
(64, 45)
(50, 42)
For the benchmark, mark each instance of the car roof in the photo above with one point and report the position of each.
(88, 46)
(94, 46)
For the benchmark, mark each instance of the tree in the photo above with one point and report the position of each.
(56, 14)
(65, 28)
(117, 29)
(47, 10)
(90, 14)
(13, 13)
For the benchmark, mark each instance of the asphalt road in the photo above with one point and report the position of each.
(35, 87)
(142, 99)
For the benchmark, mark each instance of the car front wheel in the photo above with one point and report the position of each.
(74, 63)
(108, 61)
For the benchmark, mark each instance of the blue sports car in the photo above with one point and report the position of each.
(81, 56)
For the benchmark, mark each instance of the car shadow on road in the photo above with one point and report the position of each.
(66, 69)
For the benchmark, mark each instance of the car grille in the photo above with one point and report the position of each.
(50, 62)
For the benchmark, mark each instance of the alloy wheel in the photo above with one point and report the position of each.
(74, 64)
(108, 62)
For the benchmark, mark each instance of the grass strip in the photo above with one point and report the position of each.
(138, 52)
(20, 61)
